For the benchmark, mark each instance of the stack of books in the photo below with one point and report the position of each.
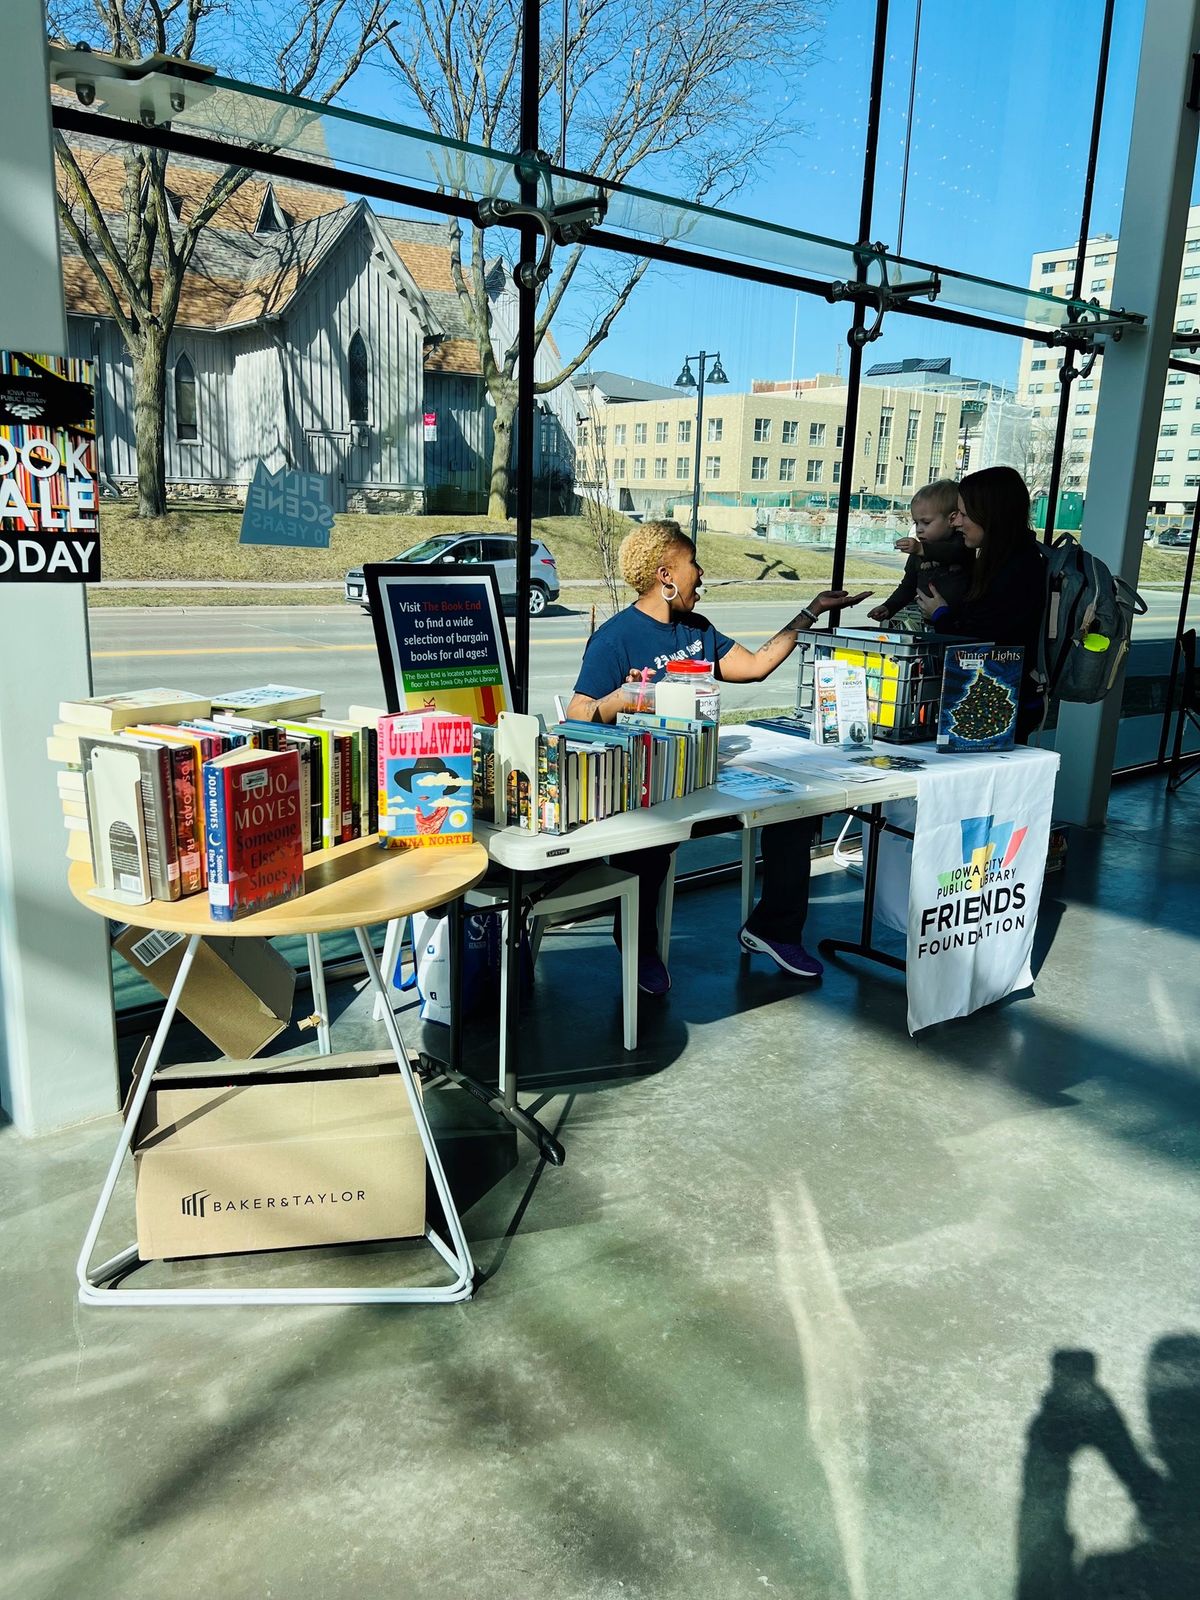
(550, 780)
(168, 793)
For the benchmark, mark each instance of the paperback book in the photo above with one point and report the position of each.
(110, 713)
(425, 780)
(270, 700)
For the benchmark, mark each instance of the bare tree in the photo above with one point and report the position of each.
(606, 527)
(141, 255)
(691, 94)
(1038, 457)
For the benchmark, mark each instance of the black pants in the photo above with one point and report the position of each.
(787, 868)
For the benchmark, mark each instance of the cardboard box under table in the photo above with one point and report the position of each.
(239, 992)
(235, 1156)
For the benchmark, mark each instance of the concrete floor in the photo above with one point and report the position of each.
(781, 1324)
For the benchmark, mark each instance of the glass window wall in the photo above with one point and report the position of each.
(347, 314)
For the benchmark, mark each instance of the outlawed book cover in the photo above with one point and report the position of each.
(981, 689)
(253, 823)
(425, 780)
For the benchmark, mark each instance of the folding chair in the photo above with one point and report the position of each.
(1183, 768)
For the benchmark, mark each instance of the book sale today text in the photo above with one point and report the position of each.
(49, 529)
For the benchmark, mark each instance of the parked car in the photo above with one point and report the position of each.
(468, 550)
(1175, 537)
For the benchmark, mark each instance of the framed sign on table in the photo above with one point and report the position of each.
(442, 642)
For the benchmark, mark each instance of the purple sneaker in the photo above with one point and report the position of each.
(652, 975)
(793, 958)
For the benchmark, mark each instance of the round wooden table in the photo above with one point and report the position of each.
(351, 887)
(354, 885)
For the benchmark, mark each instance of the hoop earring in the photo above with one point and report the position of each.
(674, 594)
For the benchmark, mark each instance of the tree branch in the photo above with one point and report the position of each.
(112, 299)
(96, 221)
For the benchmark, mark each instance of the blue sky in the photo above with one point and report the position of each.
(999, 149)
(998, 152)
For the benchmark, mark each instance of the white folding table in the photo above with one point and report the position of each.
(706, 811)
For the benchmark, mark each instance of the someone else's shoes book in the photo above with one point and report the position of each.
(254, 829)
(425, 780)
(981, 689)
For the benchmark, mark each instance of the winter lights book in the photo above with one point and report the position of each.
(253, 825)
(981, 689)
(425, 780)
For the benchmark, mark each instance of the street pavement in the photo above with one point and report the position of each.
(332, 648)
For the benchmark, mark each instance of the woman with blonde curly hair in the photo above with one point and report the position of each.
(658, 561)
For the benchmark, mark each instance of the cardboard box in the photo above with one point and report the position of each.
(239, 992)
(232, 1156)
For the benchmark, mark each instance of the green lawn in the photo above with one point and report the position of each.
(1162, 566)
(202, 543)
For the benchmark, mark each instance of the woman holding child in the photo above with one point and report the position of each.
(1005, 598)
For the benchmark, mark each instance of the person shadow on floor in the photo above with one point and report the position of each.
(1163, 1562)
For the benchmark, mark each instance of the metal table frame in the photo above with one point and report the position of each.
(96, 1283)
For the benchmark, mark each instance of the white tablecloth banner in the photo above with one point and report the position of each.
(978, 859)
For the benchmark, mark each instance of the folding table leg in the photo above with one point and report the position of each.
(503, 1099)
(873, 821)
(749, 860)
(629, 960)
(666, 913)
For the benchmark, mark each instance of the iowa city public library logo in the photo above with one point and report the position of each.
(982, 895)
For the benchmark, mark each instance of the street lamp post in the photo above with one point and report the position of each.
(685, 380)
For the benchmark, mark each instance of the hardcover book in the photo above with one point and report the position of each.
(327, 769)
(425, 780)
(157, 825)
(254, 826)
(186, 761)
(981, 690)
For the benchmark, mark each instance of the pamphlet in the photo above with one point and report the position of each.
(842, 717)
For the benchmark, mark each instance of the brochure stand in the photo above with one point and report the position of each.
(354, 886)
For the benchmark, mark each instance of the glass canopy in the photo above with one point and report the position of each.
(258, 119)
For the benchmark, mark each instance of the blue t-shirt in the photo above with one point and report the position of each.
(631, 640)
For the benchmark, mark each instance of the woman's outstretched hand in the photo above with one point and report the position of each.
(836, 600)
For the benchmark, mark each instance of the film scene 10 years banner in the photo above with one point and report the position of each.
(441, 638)
(978, 859)
(49, 517)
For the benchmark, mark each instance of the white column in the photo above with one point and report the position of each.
(1158, 181)
(57, 1047)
